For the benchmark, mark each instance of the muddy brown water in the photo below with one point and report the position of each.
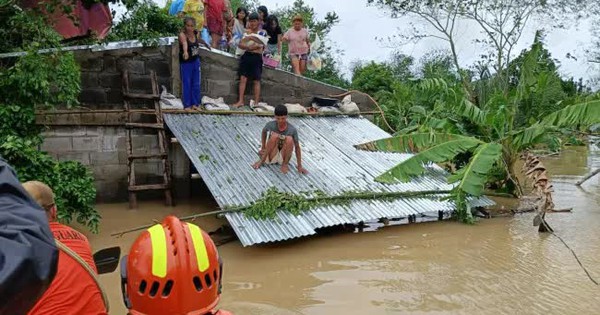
(498, 266)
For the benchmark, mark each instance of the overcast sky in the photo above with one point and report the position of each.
(360, 24)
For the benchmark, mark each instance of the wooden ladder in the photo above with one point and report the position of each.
(162, 146)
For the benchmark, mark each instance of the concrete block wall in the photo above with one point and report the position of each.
(220, 79)
(101, 85)
(103, 149)
(101, 77)
(99, 139)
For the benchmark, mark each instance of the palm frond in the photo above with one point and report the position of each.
(474, 176)
(409, 143)
(441, 152)
(584, 114)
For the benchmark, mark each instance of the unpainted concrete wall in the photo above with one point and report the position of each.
(99, 139)
(103, 149)
(101, 84)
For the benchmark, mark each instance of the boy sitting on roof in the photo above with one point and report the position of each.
(283, 139)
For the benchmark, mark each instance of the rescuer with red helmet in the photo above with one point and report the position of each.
(172, 268)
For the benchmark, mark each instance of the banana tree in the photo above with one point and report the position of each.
(500, 147)
(492, 137)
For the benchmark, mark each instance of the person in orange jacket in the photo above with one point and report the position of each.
(74, 290)
(172, 268)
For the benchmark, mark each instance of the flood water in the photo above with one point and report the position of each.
(498, 266)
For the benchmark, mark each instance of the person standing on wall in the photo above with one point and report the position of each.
(74, 290)
(239, 27)
(263, 15)
(274, 31)
(251, 62)
(299, 45)
(189, 64)
(215, 10)
(229, 22)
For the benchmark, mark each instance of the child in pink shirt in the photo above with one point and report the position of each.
(299, 45)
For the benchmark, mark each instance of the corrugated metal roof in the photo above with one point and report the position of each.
(287, 226)
(223, 148)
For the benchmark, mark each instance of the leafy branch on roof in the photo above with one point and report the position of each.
(273, 200)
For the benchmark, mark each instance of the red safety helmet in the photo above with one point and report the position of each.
(172, 268)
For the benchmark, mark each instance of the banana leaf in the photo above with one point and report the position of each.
(414, 166)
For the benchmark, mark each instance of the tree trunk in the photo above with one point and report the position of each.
(544, 227)
(588, 176)
(463, 79)
(513, 178)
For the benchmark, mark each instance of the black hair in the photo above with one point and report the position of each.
(281, 110)
(264, 10)
(269, 28)
(253, 16)
(186, 20)
(242, 9)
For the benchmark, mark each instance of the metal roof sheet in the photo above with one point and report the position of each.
(288, 226)
(223, 148)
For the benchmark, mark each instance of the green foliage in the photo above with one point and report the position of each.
(250, 5)
(72, 183)
(16, 120)
(527, 137)
(579, 115)
(442, 152)
(410, 143)
(330, 72)
(463, 208)
(74, 187)
(542, 90)
(146, 22)
(474, 175)
(401, 65)
(24, 30)
(373, 78)
(396, 106)
(494, 133)
(273, 200)
(204, 158)
(437, 64)
(40, 80)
